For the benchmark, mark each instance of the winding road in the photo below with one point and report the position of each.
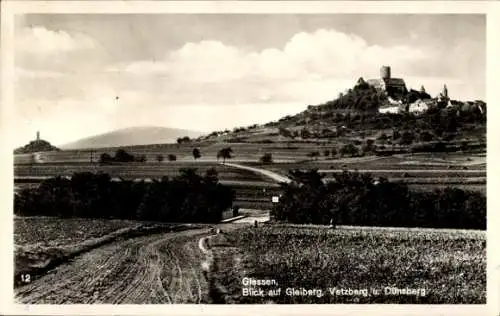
(266, 173)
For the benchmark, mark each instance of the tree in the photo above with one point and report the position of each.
(313, 154)
(172, 157)
(224, 153)
(159, 158)
(141, 158)
(105, 158)
(349, 150)
(122, 156)
(426, 136)
(196, 153)
(184, 139)
(333, 151)
(395, 134)
(326, 153)
(267, 158)
(406, 138)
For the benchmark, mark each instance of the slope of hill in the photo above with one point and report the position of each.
(141, 135)
(36, 146)
(354, 117)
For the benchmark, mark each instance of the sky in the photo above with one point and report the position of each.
(86, 74)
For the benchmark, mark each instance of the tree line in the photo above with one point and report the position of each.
(188, 197)
(358, 199)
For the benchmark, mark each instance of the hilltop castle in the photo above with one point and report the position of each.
(393, 87)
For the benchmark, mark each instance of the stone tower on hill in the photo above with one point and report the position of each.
(393, 87)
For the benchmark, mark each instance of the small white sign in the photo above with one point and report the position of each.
(276, 199)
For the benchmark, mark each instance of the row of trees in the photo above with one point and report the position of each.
(123, 156)
(356, 199)
(188, 197)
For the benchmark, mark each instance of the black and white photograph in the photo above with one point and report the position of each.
(264, 158)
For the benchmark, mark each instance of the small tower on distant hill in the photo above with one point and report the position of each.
(445, 92)
(422, 89)
(37, 136)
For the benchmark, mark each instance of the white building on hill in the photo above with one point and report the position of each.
(420, 106)
(390, 108)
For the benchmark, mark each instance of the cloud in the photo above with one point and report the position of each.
(46, 42)
(324, 53)
(41, 49)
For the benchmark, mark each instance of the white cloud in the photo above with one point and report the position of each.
(324, 53)
(43, 41)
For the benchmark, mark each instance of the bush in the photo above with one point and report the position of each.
(141, 158)
(172, 157)
(159, 158)
(349, 150)
(267, 158)
(122, 156)
(356, 199)
(106, 158)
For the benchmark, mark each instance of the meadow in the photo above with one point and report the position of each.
(51, 231)
(449, 265)
(134, 170)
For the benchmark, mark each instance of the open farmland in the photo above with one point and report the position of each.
(133, 170)
(155, 269)
(183, 152)
(423, 171)
(52, 231)
(448, 265)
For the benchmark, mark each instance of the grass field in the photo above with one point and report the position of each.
(52, 231)
(450, 266)
(132, 171)
(108, 261)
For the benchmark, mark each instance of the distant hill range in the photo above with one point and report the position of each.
(132, 136)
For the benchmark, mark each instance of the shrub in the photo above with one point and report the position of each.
(349, 150)
(122, 156)
(172, 157)
(141, 158)
(267, 158)
(105, 158)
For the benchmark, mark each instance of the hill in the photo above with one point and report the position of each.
(36, 146)
(141, 135)
(355, 116)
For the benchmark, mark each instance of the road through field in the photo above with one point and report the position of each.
(267, 173)
(155, 269)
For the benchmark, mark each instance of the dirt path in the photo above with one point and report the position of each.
(267, 173)
(156, 269)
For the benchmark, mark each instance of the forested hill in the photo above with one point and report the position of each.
(36, 146)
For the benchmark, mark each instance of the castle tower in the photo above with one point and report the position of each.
(385, 72)
(37, 136)
(445, 92)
